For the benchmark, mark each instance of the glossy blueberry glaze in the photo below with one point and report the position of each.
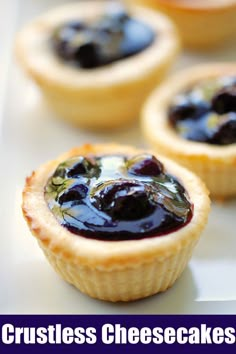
(207, 112)
(115, 197)
(112, 37)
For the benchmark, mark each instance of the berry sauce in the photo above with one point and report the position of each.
(207, 112)
(116, 197)
(102, 41)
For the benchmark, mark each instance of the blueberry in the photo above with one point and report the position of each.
(145, 165)
(63, 38)
(225, 134)
(185, 109)
(225, 100)
(80, 166)
(74, 194)
(87, 55)
(124, 200)
(75, 42)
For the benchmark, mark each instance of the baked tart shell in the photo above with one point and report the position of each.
(215, 165)
(103, 98)
(114, 270)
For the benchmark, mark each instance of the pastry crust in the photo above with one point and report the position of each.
(120, 270)
(106, 97)
(215, 164)
(202, 24)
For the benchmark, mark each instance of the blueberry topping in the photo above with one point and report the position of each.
(81, 166)
(181, 112)
(145, 165)
(224, 101)
(226, 132)
(124, 200)
(87, 55)
(206, 113)
(74, 194)
(117, 197)
(187, 108)
(64, 38)
(105, 40)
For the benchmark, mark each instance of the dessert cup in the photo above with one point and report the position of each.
(106, 97)
(115, 270)
(214, 164)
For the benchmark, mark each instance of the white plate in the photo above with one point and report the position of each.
(30, 136)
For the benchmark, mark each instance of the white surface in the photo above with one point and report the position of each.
(30, 136)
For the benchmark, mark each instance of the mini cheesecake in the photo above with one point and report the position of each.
(201, 23)
(96, 63)
(192, 119)
(118, 223)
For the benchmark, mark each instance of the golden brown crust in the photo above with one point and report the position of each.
(205, 159)
(201, 23)
(117, 90)
(105, 255)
